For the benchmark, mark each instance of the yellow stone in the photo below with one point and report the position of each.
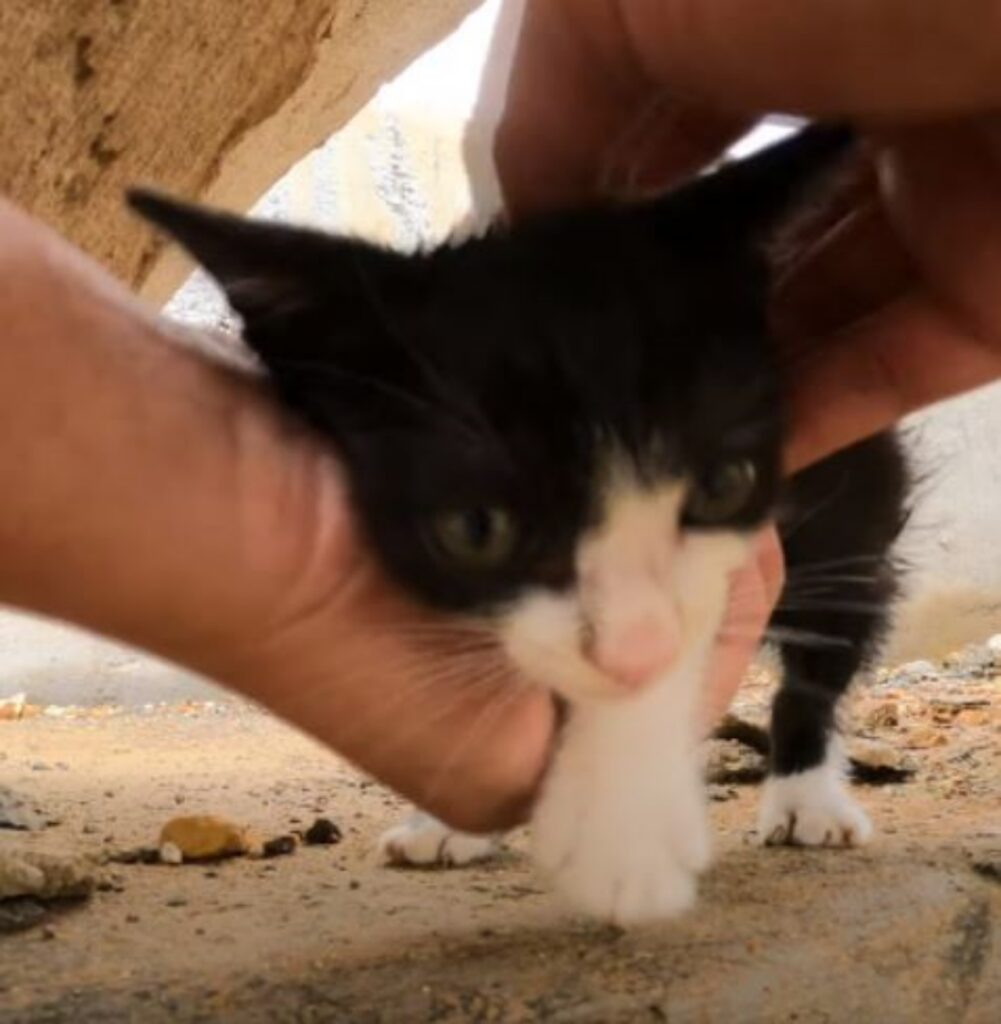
(206, 837)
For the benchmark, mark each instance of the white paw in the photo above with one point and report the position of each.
(620, 855)
(424, 841)
(812, 808)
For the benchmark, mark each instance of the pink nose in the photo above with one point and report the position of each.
(637, 653)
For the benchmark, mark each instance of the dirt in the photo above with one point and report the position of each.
(907, 929)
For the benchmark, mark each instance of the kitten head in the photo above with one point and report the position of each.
(567, 430)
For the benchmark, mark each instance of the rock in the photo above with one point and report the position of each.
(323, 832)
(751, 734)
(136, 855)
(46, 875)
(20, 913)
(993, 645)
(16, 813)
(875, 763)
(988, 867)
(280, 846)
(731, 762)
(205, 837)
(972, 658)
(12, 708)
(924, 737)
(170, 853)
(913, 672)
(883, 716)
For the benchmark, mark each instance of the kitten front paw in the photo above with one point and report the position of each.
(423, 841)
(617, 863)
(811, 808)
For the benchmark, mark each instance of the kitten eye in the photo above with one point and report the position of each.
(721, 495)
(475, 538)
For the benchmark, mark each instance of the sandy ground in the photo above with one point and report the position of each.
(908, 929)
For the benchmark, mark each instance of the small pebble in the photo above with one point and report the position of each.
(280, 846)
(170, 853)
(323, 832)
(913, 671)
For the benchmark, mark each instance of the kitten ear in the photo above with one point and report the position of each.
(244, 256)
(270, 271)
(748, 198)
(327, 316)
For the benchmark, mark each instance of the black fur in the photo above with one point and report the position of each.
(482, 374)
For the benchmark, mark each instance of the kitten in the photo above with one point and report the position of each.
(566, 432)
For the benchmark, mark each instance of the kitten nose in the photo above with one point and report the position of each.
(636, 654)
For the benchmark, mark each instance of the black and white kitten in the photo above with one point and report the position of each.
(566, 432)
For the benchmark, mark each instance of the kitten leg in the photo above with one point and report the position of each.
(813, 807)
(621, 827)
(421, 840)
(806, 800)
(847, 512)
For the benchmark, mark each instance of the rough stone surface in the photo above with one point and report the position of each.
(27, 872)
(209, 100)
(18, 813)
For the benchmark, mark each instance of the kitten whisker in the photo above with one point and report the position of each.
(488, 715)
(833, 563)
(835, 605)
(445, 709)
(785, 635)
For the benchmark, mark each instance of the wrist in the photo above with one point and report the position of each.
(137, 478)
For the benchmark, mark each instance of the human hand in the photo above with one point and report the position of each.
(891, 303)
(754, 592)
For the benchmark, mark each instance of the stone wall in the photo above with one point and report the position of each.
(212, 100)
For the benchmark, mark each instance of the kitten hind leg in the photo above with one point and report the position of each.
(421, 840)
(806, 799)
(848, 511)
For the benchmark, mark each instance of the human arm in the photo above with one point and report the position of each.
(888, 309)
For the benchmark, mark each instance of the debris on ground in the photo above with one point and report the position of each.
(201, 837)
(136, 855)
(877, 763)
(341, 936)
(323, 832)
(46, 875)
(280, 846)
(12, 708)
(730, 762)
(988, 867)
(18, 813)
(753, 735)
(20, 913)
(738, 755)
